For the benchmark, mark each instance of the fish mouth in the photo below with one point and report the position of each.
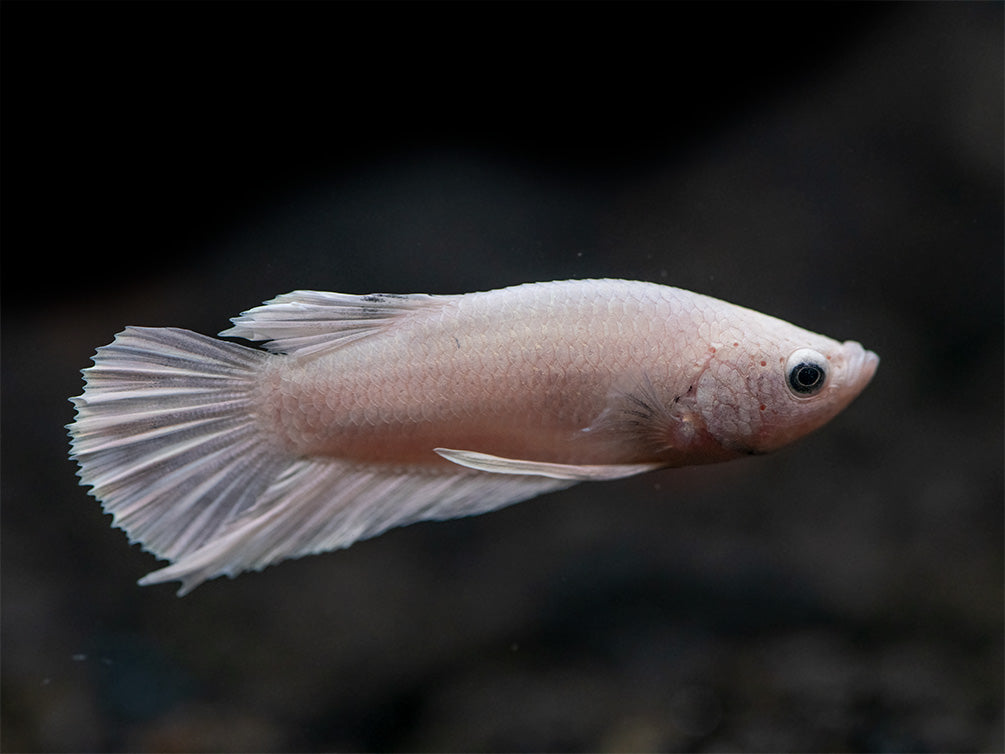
(862, 364)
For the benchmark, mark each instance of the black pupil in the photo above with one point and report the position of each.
(805, 378)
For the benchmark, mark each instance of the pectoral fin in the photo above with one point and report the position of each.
(497, 465)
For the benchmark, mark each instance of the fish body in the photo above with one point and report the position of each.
(368, 412)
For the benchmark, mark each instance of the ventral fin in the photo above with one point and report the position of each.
(497, 465)
(312, 322)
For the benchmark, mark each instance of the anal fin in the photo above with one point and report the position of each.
(321, 505)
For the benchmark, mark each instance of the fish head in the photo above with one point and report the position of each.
(759, 393)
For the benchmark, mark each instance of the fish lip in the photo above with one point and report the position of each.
(862, 364)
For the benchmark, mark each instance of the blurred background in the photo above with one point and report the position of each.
(839, 166)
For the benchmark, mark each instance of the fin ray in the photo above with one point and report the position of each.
(312, 322)
(320, 505)
(172, 464)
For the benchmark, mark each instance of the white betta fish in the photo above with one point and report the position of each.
(369, 412)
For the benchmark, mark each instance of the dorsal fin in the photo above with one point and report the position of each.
(311, 322)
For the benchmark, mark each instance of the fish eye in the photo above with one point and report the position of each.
(806, 373)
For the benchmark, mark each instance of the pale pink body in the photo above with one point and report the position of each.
(555, 373)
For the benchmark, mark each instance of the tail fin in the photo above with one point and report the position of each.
(166, 436)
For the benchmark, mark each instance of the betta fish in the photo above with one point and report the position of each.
(368, 412)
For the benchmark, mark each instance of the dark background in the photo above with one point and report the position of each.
(839, 166)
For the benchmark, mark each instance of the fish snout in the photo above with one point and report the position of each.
(861, 364)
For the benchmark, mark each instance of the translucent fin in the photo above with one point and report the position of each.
(166, 437)
(497, 465)
(321, 505)
(311, 322)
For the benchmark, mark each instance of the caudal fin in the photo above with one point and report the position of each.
(166, 436)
